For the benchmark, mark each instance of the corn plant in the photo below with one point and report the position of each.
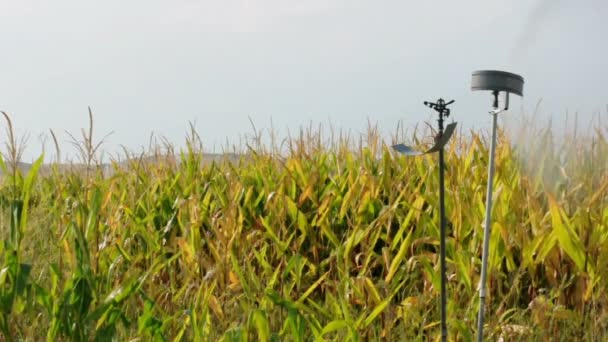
(306, 240)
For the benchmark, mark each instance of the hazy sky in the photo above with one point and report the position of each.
(152, 66)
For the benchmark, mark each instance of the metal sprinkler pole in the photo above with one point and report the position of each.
(440, 140)
(496, 81)
(486, 233)
(441, 108)
(444, 328)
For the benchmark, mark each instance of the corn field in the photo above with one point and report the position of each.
(323, 241)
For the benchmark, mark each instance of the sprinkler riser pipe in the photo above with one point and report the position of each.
(496, 82)
(444, 330)
(487, 230)
(440, 140)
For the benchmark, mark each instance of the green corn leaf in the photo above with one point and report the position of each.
(261, 324)
(27, 191)
(333, 326)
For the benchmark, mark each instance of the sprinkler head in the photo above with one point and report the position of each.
(440, 107)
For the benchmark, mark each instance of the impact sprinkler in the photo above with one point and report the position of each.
(496, 82)
(440, 141)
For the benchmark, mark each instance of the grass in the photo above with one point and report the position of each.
(327, 241)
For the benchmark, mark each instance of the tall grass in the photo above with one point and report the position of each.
(333, 241)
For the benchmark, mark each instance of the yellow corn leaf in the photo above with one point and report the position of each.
(215, 307)
(568, 240)
(399, 257)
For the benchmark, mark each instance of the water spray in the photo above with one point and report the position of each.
(496, 82)
(440, 141)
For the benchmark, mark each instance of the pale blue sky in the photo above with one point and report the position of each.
(151, 66)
